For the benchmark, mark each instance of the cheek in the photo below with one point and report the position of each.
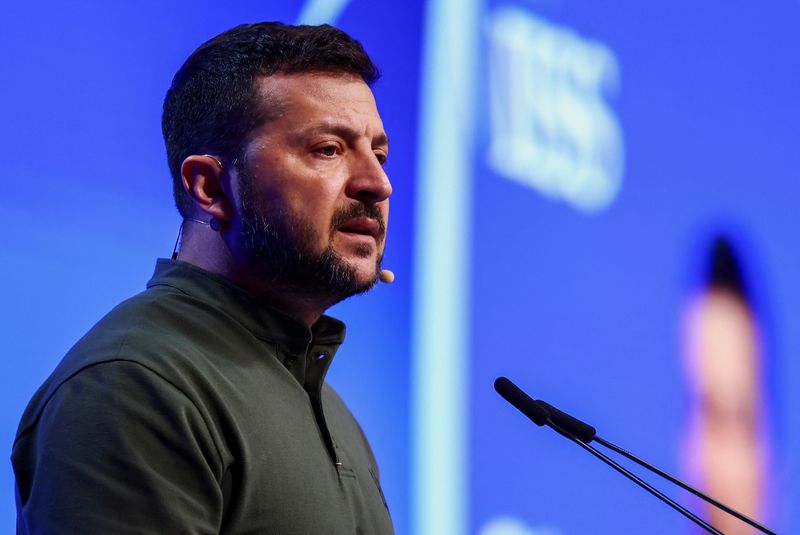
(317, 208)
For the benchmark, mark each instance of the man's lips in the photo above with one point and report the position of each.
(366, 226)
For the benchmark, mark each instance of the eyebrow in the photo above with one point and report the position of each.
(346, 132)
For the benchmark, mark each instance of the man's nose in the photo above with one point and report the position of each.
(368, 182)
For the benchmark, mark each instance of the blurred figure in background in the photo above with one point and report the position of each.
(726, 448)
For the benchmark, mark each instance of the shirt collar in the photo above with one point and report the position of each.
(302, 349)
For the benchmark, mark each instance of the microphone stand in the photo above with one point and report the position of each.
(633, 477)
(684, 486)
(542, 413)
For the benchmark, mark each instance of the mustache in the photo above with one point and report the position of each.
(342, 216)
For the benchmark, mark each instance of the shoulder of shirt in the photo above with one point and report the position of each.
(162, 329)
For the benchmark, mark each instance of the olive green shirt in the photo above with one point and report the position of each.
(193, 408)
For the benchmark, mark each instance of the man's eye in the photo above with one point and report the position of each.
(381, 157)
(328, 150)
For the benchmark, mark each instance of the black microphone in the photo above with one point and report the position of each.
(542, 413)
(521, 401)
(583, 433)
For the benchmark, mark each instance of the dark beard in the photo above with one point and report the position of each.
(279, 246)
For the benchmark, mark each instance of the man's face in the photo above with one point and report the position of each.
(313, 196)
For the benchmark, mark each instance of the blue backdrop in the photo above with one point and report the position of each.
(559, 170)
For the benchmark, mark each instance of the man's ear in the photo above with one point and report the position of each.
(202, 177)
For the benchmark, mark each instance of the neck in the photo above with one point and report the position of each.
(208, 250)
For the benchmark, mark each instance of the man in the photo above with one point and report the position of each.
(199, 406)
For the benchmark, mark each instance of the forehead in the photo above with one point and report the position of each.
(306, 100)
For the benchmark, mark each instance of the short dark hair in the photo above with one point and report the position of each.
(212, 104)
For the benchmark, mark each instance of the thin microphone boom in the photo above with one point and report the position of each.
(586, 433)
(639, 481)
(685, 486)
(541, 415)
(583, 433)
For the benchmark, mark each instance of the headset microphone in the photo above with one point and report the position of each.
(386, 276)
